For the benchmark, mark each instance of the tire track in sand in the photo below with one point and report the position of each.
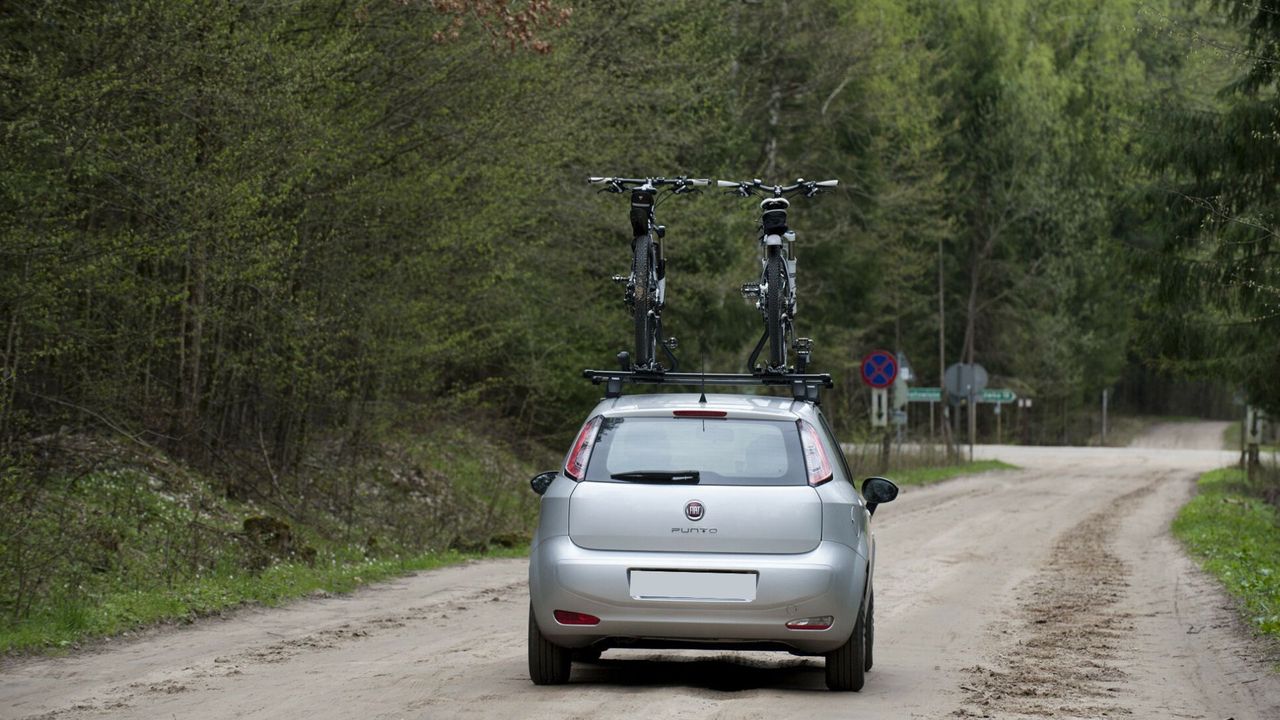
(1071, 635)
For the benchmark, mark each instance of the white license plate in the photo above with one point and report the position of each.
(697, 586)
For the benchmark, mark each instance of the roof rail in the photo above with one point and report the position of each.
(804, 386)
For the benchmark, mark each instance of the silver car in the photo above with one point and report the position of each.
(726, 523)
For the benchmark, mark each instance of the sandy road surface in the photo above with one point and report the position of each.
(1183, 435)
(1052, 591)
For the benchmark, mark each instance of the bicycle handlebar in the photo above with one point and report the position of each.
(619, 184)
(808, 188)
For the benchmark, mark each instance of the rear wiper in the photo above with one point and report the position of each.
(678, 477)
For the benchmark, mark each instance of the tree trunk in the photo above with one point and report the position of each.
(970, 329)
(191, 385)
(947, 439)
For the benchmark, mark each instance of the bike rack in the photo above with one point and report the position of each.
(804, 386)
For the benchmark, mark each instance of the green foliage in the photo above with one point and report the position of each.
(342, 261)
(121, 539)
(1213, 206)
(1039, 98)
(1236, 536)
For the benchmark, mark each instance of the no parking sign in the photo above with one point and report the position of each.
(879, 368)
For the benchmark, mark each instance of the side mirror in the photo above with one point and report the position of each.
(542, 481)
(876, 490)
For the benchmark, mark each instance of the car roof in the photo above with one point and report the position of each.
(760, 407)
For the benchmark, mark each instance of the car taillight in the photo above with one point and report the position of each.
(576, 465)
(811, 623)
(566, 617)
(700, 413)
(815, 456)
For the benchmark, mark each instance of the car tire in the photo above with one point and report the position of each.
(845, 664)
(869, 631)
(548, 663)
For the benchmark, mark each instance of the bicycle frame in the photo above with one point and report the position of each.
(648, 292)
(777, 245)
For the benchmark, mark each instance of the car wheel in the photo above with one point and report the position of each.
(845, 665)
(870, 630)
(548, 663)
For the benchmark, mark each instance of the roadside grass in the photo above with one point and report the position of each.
(1235, 535)
(921, 464)
(68, 623)
(105, 540)
(929, 475)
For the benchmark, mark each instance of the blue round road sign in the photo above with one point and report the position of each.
(879, 368)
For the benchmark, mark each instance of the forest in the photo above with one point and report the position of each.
(335, 265)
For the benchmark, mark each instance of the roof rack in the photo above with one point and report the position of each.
(804, 386)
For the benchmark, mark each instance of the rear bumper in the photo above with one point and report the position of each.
(828, 580)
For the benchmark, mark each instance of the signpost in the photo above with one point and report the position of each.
(879, 407)
(879, 370)
(901, 391)
(1105, 393)
(1254, 421)
(1023, 419)
(965, 381)
(924, 394)
(999, 396)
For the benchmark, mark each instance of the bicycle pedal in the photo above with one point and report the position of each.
(751, 290)
(671, 343)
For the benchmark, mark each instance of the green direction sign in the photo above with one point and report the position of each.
(933, 394)
(924, 394)
(997, 395)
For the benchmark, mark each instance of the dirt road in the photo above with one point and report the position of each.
(1051, 591)
(1184, 435)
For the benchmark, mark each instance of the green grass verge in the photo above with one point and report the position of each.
(112, 613)
(928, 475)
(1236, 537)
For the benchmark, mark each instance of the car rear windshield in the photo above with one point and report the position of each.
(723, 452)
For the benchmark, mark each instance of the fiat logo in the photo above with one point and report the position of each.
(694, 510)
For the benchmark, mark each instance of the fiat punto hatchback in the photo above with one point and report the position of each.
(729, 522)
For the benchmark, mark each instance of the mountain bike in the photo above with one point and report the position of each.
(646, 285)
(775, 293)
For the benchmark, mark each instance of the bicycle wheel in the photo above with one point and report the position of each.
(775, 274)
(643, 296)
